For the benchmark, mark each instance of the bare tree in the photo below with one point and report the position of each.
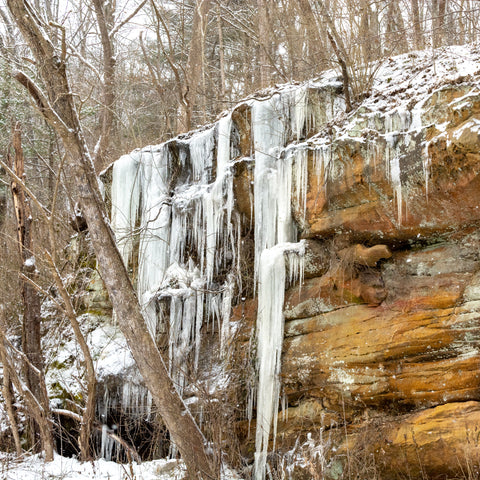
(39, 412)
(104, 12)
(31, 336)
(58, 109)
(194, 69)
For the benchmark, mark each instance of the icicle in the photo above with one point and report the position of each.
(269, 125)
(270, 324)
(301, 177)
(126, 186)
(226, 311)
(273, 228)
(198, 326)
(153, 257)
(201, 155)
(107, 444)
(223, 144)
(396, 184)
(300, 112)
(136, 400)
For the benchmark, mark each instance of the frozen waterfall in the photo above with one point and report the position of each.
(176, 226)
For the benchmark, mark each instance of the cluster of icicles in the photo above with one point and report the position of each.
(184, 234)
(187, 233)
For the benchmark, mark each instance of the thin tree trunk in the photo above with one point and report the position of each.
(262, 43)
(59, 111)
(9, 403)
(312, 35)
(31, 335)
(221, 57)
(396, 38)
(104, 13)
(194, 67)
(417, 30)
(438, 22)
(35, 409)
(88, 417)
(345, 75)
(339, 50)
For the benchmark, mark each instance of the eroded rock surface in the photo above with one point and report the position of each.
(384, 334)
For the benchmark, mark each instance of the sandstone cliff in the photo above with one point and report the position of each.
(380, 353)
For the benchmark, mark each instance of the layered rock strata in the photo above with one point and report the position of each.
(381, 347)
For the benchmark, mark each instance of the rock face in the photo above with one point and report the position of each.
(382, 339)
(380, 366)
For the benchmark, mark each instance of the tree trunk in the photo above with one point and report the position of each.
(221, 61)
(31, 335)
(9, 403)
(417, 29)
(194, 67)
(263, 44)
(35, 409)
(104, 12)
(59, 110)
(396, 39)
(345, 75)
(438, 22)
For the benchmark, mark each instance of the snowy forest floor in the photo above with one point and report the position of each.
(34, 468)
(62, 468)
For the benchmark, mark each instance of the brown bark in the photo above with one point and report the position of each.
(9, 403)
(316, 47)
(58, 109)
(263, 44)
(31, 335)
(396, 38)
(35, 408)
(104, 13)
(194, 67)
(339, 50)
(438, 22)
(221, 58)
(417, 30)
(345, 75)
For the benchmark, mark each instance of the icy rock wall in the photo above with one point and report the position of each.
(173, 207)
(366, 176)
(383, 342)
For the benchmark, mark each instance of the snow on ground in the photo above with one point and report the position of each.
(34, 468)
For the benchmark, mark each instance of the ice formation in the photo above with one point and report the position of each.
(274, 120)
(180, 221)
(176, 213)
(270, 322)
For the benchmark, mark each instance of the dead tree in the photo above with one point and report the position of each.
(31, 335)
(194, 69)
(41, 415)
(9, 397)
